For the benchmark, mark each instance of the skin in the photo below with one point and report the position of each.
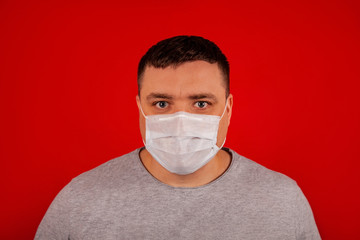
(194, 87)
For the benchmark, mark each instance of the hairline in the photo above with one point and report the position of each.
(225, 81)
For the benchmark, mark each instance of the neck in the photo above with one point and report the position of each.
(208, 173)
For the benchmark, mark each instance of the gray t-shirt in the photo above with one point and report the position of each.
(121, 200)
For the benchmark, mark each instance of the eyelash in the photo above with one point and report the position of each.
(167, 103)
(156, 103)
(206, 104)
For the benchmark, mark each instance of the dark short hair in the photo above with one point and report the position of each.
(180, 49)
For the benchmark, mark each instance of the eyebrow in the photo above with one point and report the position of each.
(198, 96)
(203, 96)
(159, 95)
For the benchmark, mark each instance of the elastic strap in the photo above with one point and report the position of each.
(224, 110)
(142, 111)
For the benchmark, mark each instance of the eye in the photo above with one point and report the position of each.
(161, 104)
(201, 104)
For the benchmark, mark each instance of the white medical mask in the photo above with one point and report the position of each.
(182, 142)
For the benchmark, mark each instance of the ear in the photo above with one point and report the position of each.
(230, 102)
(138, 101)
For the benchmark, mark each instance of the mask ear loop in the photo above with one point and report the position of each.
(224, 109)
(223, 143)
(220, 119)
(145, 118)
(143, 112)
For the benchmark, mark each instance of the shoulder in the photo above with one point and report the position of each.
(272, 192)
(265, 187)
(85, 193)
(261, 179)
(109, 174)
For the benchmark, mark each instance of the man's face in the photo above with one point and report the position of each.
(194, 87)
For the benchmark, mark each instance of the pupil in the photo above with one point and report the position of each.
(162, 104)
(201, 104)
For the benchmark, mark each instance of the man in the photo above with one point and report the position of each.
(183, 184)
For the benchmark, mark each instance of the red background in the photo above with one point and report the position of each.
(68, 87)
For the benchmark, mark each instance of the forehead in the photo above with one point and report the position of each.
(187, 78)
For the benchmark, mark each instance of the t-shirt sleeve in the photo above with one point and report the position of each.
(306, 228)
(55, 224)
